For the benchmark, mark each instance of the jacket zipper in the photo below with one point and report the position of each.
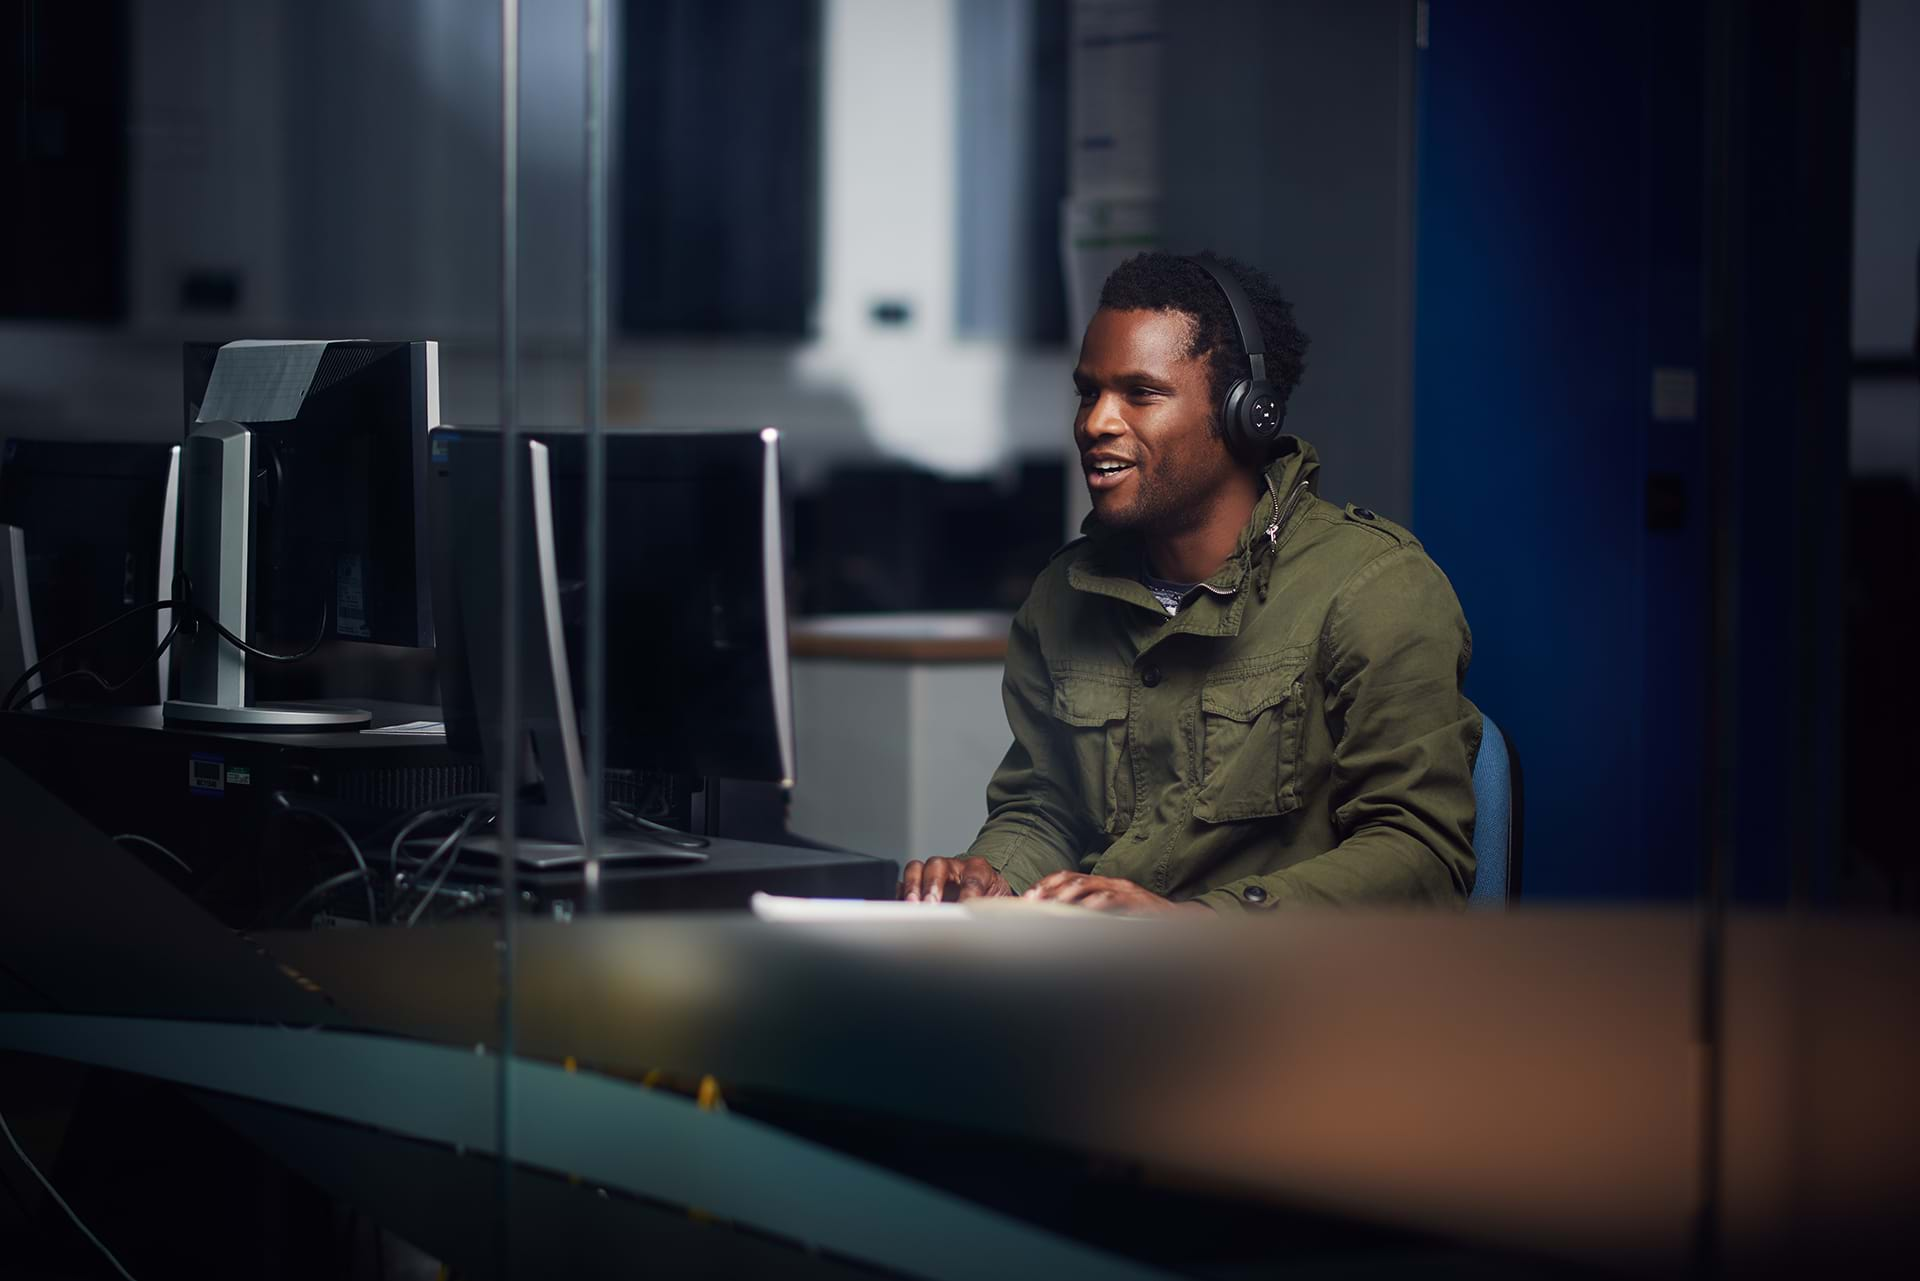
(1273, 534)
(1273, 530)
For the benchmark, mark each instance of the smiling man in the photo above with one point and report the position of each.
(1230, 695)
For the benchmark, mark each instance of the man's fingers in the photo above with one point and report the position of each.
(1049, 885)
(1075, 890)
(934, 878)
(910, 881)
(1111, 890)
(1063, 887)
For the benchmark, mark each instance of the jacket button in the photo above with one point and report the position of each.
(1150, 677)
(1363, 513)
(1254, 894)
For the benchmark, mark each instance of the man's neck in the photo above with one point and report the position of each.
(1195, 554)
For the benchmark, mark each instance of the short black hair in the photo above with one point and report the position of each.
(1155, 281)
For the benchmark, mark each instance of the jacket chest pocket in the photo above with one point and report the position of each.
(1251, 726)
(1090, 711)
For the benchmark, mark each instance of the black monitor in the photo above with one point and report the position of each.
(85, 536)
(322, 539)
(697, 678)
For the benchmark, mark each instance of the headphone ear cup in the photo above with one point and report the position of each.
(1233, 420)
(1253, 415)
(1263, 415)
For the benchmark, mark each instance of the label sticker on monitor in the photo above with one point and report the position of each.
(206, 775)
(350, 598)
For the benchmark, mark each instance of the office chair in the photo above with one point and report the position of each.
(1497, 820)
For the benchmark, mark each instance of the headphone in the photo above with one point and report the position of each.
(1252, 411)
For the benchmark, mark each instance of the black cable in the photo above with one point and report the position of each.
(353, 847)
(647, 829)
(96, 678)
(11, 704)
(324, 887)
(452, 843)
(149, 841)
(326, 611)
(110, 624)
(426, 813)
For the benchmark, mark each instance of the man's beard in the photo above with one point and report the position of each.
(1162, 503)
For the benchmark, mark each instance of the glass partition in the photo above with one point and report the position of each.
(533, 536)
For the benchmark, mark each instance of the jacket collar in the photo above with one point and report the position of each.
(1110, 563)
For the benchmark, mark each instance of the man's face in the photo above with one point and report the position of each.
(1145, 423)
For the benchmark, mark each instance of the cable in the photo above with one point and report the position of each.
(331, 883)
(451, 845)
(243, 647)
(659, 831)
(110, 624)
(183, 601)
(451, 805)
(96, 678)
(59, 1200)
(452, 842)
(373, 914)
(144, 840)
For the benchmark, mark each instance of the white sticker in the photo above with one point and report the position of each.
(1676, 394)
(350, 598)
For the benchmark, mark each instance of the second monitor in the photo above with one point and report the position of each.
(696, 642)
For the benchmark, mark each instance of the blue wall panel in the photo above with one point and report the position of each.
(1556, 248)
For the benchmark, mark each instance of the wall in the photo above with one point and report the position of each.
(1288, 129)
(340, 164)
(1885, 413)
(1558, 264)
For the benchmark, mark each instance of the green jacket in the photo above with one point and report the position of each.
(1295, 734)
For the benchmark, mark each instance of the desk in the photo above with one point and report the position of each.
(899, 726)
(207, 796)
(1529, 1081)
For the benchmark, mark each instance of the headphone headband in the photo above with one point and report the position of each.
(1253, 409)
(1243, 317)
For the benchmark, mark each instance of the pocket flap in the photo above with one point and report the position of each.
(1081, 699)
(1243, 698)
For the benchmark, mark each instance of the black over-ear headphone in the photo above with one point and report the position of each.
(1252, 410)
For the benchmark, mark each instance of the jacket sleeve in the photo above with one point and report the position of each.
(1033, 826)
(1405, 739)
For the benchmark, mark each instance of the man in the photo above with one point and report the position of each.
(1230, 695)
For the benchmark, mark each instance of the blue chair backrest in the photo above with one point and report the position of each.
(1496, 820)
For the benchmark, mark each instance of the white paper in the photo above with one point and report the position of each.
(260, 380)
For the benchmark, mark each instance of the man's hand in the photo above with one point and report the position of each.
(1110, 894)
(950, 880)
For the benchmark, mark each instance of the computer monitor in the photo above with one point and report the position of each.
(303, 486)
(86, 534)
(697, 678)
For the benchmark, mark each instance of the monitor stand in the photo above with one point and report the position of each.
(17, 650)
(216, 469)
(546, 855)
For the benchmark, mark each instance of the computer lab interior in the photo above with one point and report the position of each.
(959, 638)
